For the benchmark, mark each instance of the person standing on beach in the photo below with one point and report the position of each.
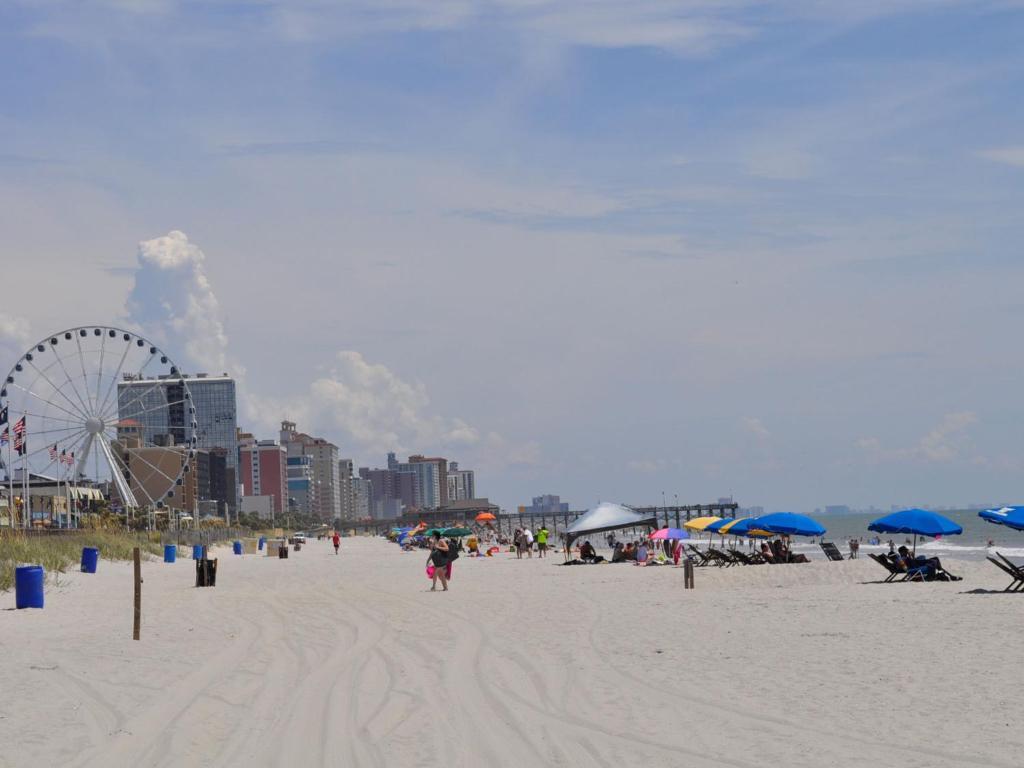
(517, 542)
(438, 558)
(542, 541)
(528, 540)
(336, 540)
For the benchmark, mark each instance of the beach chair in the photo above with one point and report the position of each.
(702, 558)
(886, 563)
(831, 551)
(1012, 570)
(754, 558)
(721, 558)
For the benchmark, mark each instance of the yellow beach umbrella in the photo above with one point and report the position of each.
(700, 523)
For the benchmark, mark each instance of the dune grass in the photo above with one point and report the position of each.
(58, 553)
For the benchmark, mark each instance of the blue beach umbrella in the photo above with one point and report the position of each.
(1011, 517)
(790, 524)
(919, 522)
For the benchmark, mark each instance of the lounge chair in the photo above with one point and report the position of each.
(702, 558)
(1014, 571)
(889, 565)
(922, 572)
(721, 558)
(831, 551)
(754, 558)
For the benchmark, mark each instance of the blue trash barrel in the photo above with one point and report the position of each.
(262, 541)
(28, 586)
(90, 557)
(197, 551)
(237, 547)
(170, 553)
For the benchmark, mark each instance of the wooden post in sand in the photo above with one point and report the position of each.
(688, 573)
(137, 560)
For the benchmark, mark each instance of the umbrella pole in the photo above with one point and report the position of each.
(915, 545)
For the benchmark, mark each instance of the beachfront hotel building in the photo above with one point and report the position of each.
(346, 468)
(461, 483)
(157, 407)
(325, 501)
(263, 470)
(361, 492)
(302, 487)
(421, 483)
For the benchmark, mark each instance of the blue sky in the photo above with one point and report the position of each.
(598, 249)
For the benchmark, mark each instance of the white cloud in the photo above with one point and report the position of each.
(1007, 155)
(756, 427)
(380, 411)
(647, 466)
(363, 405)
(171, 300)
(942, 444)
(15, 338)
(681, 27)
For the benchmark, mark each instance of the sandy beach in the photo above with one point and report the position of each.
(350, 661)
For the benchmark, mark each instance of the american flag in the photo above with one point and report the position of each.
(19, 436)
(63, 457)
(5, 436)
(71, 458)
(3, 415)
(53, 452)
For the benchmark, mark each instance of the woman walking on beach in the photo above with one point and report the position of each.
(439, 559)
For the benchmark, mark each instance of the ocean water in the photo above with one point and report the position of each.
(972, 544)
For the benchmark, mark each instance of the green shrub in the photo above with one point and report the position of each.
(57, 553)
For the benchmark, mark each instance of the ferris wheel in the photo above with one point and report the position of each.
(100, 407)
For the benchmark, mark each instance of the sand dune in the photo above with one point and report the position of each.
(348, 661)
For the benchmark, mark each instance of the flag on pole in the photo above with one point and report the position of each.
(3, 415)
(19, 437)
(53, 452)
(5, 436)
(71, 459)
(63, 456)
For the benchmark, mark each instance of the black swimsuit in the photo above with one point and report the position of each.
(438, 558)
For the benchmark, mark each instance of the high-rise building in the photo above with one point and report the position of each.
(323, 457)
(345, 470)
(381, 487)
(361, 492)
(431, 478)
(461, 483)
(547, 504)
(159, 407)
(263, 470)
(302, 496)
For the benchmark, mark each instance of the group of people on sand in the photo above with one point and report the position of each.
(523, 540)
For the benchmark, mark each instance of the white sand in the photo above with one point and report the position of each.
(348, 661)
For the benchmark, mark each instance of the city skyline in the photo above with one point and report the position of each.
(764, 250)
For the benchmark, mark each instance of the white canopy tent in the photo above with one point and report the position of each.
(608, 517)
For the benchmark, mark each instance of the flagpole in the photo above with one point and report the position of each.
(27, 500)
(66, 525)
(10, 480)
